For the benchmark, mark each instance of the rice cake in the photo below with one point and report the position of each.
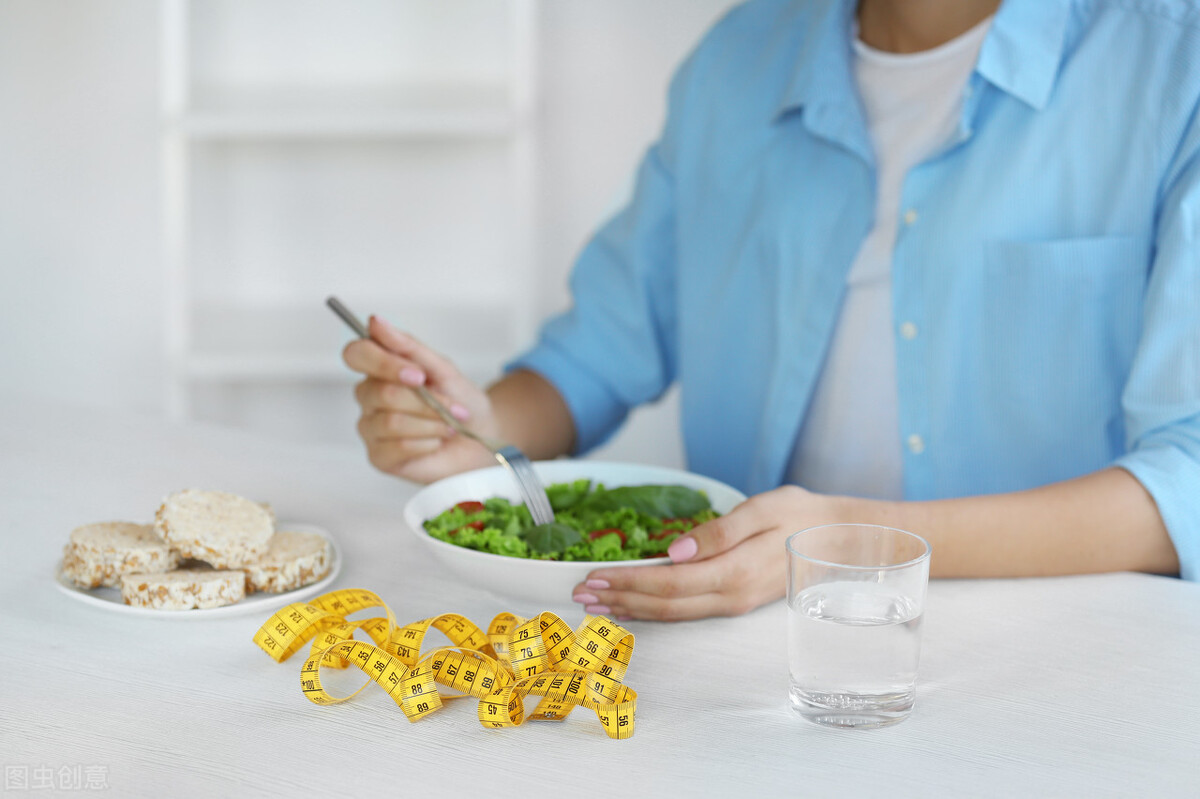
(99, 554)
(183, 589)
(223, 530)
(293, 560)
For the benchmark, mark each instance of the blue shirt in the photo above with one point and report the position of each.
(1049, 260)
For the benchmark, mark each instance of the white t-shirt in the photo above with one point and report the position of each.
(850, 442)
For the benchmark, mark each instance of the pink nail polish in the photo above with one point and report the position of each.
(598, 610)
(599, 585)
(683, 549)
(412, 375)
(585, 599)
(460, 412)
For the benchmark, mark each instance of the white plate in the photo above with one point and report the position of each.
(256, 603)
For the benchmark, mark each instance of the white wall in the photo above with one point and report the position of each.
(81, 286)
(79, 280)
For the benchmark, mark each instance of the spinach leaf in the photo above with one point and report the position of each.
(652, 500)
(552, 538)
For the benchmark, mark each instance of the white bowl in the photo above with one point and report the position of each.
(547, 583)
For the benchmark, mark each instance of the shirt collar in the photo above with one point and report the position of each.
(1024, 47)
(1020, 55)
(823, 73)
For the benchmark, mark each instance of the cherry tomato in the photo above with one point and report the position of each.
(478, 525)
(470, 506)
(594, 534)
(661, 534)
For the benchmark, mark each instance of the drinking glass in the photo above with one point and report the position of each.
(856, 596)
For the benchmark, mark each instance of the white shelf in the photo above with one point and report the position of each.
(258, 367)
(305, 326)
(280, 341)
(436, 111)
(273, 367)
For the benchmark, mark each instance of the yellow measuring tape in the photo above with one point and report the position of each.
(516, 657)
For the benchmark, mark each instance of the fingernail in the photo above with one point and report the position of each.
(683, 549)
(388, 326)
(585, 599)
(599, 585)
(412, 375)
(598, 610)
(460, 412)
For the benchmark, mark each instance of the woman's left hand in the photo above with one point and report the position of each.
(724, 567)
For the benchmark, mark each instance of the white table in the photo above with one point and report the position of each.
(1056, 687)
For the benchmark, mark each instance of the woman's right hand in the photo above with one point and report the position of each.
(403, 435)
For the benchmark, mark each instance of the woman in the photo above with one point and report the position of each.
(924, 263)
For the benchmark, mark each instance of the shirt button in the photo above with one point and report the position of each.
(908, 330)
(916, 444)
(910, 216)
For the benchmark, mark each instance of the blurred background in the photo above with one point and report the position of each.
(182, 184)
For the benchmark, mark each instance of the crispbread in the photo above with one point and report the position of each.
(221, 529)
(293, 559)
(98, 554)
(184, 589)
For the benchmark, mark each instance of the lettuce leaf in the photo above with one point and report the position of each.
(564, 496)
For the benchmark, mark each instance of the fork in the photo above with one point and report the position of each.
(514, 460)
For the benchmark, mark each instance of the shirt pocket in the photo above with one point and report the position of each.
(1060, 325)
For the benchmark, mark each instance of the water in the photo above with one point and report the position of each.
(853, 649)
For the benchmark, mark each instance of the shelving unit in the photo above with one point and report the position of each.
(409, 112)
(296, 341)
(254, 236)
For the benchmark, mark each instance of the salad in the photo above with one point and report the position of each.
(591, 522)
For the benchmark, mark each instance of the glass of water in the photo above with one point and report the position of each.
(856, 595)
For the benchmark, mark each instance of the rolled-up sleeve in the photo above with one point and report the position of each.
(1162, 397)
(615, 348)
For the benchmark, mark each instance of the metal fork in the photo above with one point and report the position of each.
(511, 458)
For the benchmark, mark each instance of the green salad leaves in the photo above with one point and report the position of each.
(592, 523)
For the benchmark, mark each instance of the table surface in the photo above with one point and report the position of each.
(1044, 687)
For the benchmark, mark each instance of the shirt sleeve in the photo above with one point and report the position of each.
(615, 348)
(1161, 400)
